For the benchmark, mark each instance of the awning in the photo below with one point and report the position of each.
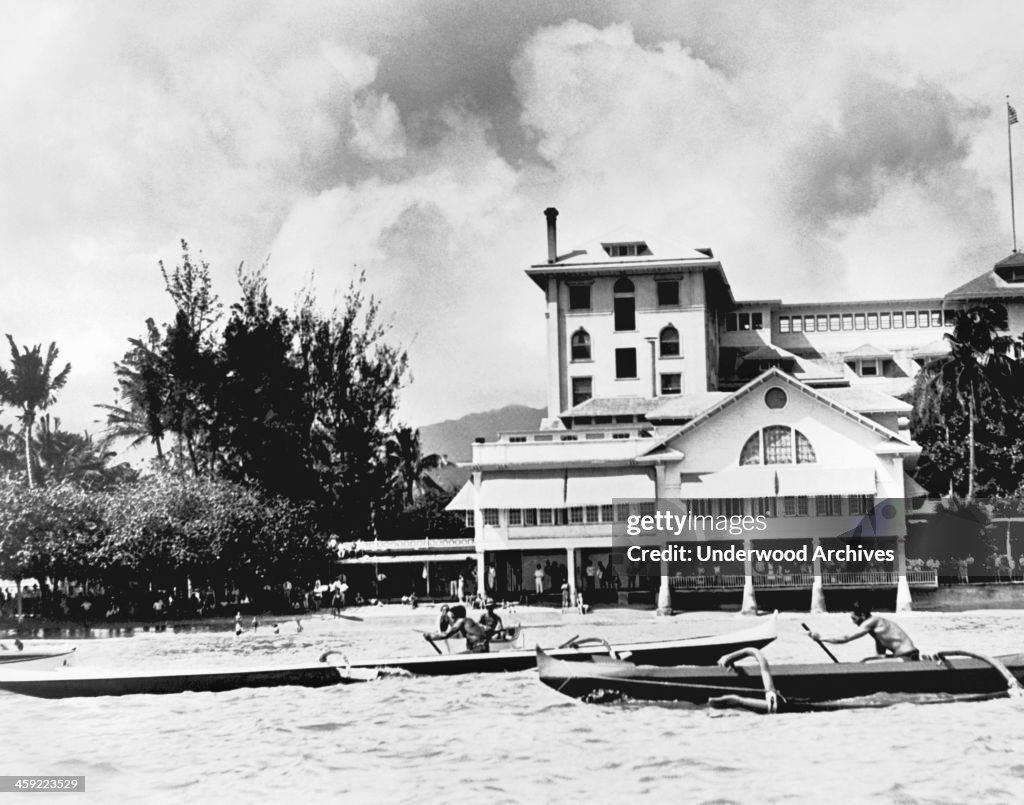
(811, 479)
(523, 492)
(746, 482)
(465, 500)
(601, 489)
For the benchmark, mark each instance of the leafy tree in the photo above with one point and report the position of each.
(32, 386)
(410, 468)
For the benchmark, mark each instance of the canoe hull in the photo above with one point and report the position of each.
(64, 685)
(798, 684)
(36, 660)
(686, 651)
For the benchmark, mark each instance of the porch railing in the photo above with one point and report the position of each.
(879, 578)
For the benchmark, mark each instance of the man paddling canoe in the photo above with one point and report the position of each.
(478, 638)
(890, 639)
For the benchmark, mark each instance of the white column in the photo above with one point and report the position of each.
(664, 590)
(481, 574)
(817, 589)
(903, 602)
(555, 379)
(570, 571)
(749, 606)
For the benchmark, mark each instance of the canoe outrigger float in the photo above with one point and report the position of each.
(946, 676)
(65, 684)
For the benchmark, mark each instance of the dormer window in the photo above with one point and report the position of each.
(636, 248)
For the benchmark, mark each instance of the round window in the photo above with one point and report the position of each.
(775, 398)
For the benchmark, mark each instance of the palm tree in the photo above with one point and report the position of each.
(32, 386)
(62, 455)
(979, 366)
(409, 466)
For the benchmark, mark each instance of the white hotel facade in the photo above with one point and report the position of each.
(663, 387)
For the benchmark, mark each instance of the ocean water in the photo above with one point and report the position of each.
(507, 738)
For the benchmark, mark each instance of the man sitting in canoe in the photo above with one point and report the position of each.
(492, 621)
(890, 639)
(478, 638)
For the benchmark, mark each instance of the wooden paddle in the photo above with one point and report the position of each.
(823, 646)
(429, 639)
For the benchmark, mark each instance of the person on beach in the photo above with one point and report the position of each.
(478, 638)
(238, 624)
(890, 639)
(444, 620)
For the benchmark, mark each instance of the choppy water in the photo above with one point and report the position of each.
(506, 738)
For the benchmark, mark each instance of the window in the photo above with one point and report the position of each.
(897, 321)
(775, 398)
(733, 507)
(833, 322)
(885, 321)
(766, 507)
(808, 324)
(517, 439)
(529, 517)
(789, 506)
(868, 368)
(579, 297)
(645, 508)
(936, 318)
(857, 504)
(668, 292)
(802, 507)
(756, 321)
(778, 445)
(544, 515)
(731, 322)
(490, 516)
(847, 321)
(672, 384)
(922, 318)
(569, 437)
(858, 321)
(668, 342)
(775, 445)
(582, 390)
(823, 506)
(783, 324)
(751, 452)
(872, 321)
(822, 323)
(804, 451)
(621, 512)
(607, 513)
(797, 324)
(469, 519)
(580, 346)
(593, 514)
(910, 317)
(625, 305)
(625, 363)
(948, 317)
(576, 515)
(515, 516)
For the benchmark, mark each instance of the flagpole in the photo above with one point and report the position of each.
(1011, 118)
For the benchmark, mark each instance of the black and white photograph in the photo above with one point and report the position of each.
(574, 401)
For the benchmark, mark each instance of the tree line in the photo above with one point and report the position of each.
(273, 434)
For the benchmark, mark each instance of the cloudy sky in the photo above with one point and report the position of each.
(824, 150)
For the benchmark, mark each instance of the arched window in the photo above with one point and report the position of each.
(778, 444)
(625, 304)
(669, 342)
(580, 345)
(751, 452)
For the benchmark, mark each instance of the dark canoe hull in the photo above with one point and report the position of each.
(685, 651)
(63, 685)
(800, 685)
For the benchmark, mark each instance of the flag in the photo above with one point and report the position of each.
(1011, 115)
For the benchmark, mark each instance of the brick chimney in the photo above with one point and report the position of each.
(551, 214)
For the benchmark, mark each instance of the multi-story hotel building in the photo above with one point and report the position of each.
(664, 389)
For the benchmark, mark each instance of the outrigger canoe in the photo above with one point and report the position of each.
(63, 684)
(947, 676)
(36, 659)
(510, 657)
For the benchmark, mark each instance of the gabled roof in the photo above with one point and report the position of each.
(777, 376)
(685, 406)
(867, 351)
(866, 401)
(804, 368)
